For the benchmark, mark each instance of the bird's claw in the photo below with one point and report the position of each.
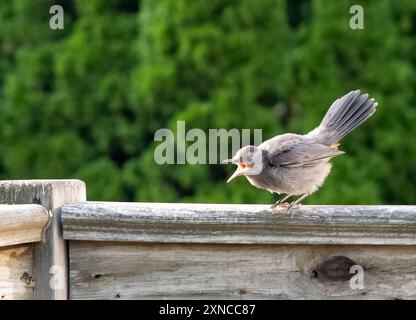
(292, 205)
(286, 205)
(278, 206)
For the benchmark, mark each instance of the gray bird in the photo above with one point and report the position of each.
(294, 164)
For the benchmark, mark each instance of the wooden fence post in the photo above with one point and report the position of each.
(50, 256)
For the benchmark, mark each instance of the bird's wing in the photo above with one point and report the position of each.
(292, 150)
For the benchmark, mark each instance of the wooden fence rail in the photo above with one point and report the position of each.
(22, 223)
(113, 250)
(222, 223)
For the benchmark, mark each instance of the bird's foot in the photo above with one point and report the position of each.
(294, 204)
(278, 206)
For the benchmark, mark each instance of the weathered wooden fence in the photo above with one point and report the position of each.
(47, 273)
(110, 250)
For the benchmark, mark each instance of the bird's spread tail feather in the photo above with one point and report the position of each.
(343, 116)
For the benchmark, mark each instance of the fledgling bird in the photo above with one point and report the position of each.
(297, 165)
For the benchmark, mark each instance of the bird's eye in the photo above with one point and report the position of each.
(242, 165)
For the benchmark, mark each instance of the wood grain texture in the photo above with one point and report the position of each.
(214, 223)
(51, 254)
(115, 270)
(22, 223)
(16, 272)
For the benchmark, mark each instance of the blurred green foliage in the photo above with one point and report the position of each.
(84, 102)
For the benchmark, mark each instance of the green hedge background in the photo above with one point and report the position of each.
(84, 102)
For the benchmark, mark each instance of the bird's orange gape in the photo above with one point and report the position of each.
(242, 168)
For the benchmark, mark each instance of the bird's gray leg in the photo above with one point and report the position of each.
(296, 202)
(280, 201)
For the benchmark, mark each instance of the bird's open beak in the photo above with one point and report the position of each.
(236, 173)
